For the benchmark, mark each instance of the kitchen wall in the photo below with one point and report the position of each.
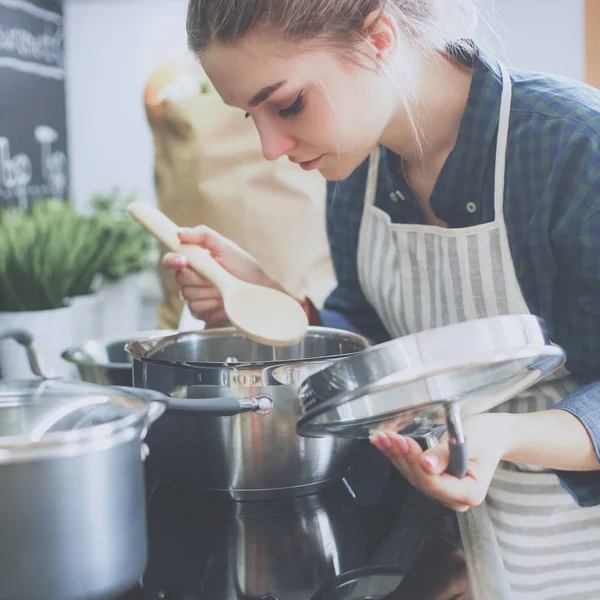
(541, 35)
(112, 46)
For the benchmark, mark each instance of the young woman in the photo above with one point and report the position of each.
(458, 190)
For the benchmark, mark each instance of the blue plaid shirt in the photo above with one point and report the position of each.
(551, 209)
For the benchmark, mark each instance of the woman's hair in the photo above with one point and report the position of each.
(429, 25)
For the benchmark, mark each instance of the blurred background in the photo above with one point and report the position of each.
(100, 103)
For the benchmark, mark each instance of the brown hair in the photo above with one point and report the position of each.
(429, 24)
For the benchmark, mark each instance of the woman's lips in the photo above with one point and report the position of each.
(309, 165)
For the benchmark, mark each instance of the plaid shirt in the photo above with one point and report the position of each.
(551, 210)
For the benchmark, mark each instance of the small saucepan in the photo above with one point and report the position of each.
(72, 489)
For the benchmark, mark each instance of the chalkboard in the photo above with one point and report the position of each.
(33, 137)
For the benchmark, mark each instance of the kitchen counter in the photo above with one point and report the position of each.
(204, 546)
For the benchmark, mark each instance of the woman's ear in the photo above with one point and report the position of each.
(381, 32)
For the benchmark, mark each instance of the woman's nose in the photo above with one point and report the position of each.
(275, 143)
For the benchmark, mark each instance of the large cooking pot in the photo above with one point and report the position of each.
(242, 435)
(72, 493)
(104, 361)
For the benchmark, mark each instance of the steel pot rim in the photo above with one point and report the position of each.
(16, 448)
(137, 352)
(70, 354)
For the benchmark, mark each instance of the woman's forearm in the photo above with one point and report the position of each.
(553, 439)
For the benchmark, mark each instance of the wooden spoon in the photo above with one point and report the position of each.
(263, 314)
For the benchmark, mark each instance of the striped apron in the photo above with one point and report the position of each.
(419, 277)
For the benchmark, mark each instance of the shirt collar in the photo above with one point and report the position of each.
(462, 178)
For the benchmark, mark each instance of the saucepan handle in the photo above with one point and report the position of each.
(23, 337)
(183, 399)
(189, 398)
(19, 335)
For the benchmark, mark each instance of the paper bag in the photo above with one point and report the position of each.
(209, 169)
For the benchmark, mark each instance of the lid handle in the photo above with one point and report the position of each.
(459, 448)
(23, 337)
(459, 451)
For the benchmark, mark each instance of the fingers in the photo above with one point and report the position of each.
(216, 318)
(211, 312)
(426, 471)
(174, 261)
(204, 299)
(203, 236)
(199, 236)
(403, 452)
(204, 308)
(201, 293)
(436, 459)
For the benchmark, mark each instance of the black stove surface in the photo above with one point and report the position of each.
(375, 538)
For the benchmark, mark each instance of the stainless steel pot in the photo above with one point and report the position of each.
(72, 493)
(104, 361)
(242, 436)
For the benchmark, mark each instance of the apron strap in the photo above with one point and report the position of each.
(371, 189)
(501, 143)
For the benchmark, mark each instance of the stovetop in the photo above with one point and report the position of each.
(359, 539)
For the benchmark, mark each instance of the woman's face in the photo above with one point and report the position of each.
(317, 107)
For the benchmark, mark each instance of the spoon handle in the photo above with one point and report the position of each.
(199, 259)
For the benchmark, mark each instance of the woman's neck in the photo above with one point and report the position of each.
(443, 91)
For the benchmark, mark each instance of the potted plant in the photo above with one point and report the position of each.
(133, 250)
(46, 255)
(93, 247)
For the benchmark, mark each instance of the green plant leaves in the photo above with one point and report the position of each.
(132, 246)
(52, 252)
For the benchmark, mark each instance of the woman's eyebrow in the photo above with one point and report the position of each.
(265, 93)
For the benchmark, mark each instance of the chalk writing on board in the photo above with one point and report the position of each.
(33, 145)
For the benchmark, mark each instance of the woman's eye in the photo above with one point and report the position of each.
(247, 115)
(294, 109)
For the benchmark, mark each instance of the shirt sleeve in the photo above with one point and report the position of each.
(575, 322)
(347, 307)
(585, 405)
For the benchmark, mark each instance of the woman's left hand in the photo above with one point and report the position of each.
(487, 438)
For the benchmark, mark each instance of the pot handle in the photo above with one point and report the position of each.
(23, 337)
(182, 399)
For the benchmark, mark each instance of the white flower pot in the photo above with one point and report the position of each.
(87, 317)
(120, 306)
(52, 331)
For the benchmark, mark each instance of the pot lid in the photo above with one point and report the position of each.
(40, 411)
(413, 382)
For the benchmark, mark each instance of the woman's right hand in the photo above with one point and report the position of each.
(204, 299)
